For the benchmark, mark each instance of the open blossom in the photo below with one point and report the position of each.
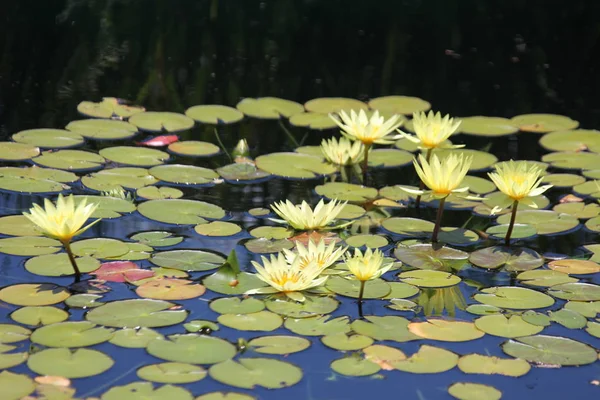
(367, 266)
(518, 181)
(432, 131)
(303, 217)
(285, 277)
(63, 221)
(367, 130)
(444, 176)
(342, 152)
(320, 254)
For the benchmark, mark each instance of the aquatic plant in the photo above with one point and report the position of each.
(366, 266)
(302, 217)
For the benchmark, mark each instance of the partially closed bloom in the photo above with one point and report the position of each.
(320, 254)
(367, 266)
(63, 221)
(288, 278)
(303, 217)
(367, 130)
(343, 152)
(432, 130)
(519, 181)
(443, 176)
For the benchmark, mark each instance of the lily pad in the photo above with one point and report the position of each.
(520, 231)
(317, 326)
(474, 391)
(508, 327)
(15, 386)
(172, 372)
(568, 318)
(11, 151)
(429, 278)
(266, 246)
(218, 229)
(487, 126)
(68, 363)
(346, 192)
(312, 306)
(488, 365)
(271, 232)
(544, 278)
(235, 305)
(49, 138)
(29, 246)
(269, 107)
(249, 373)
(312, 120)
(279, 344)
(572, 159)
(232, 284)
(170, 289)
(263, 321)
(84, 300)
(578, 210)
(59, 265)
(574, 266)
(136, 156)
(157, 238)
(35, 179)
(294, 165)
(152, 121)
(374, 289)
(399, 104)
(10, 333)
(542, 123)
(179, 211)
(388, 327)
(575, 291)
(550, 350)
(446, 331)
(388, 158)
(159, 193)
(371, 241)
(116, 178)
(34, 294)
(354, 366)
(236, 172)
(408, 227)
(511, 258)
(214, 114)
(134, 337)
(192, 348)
(431, 257)
(184, 174)
(187, 260)
(341, 341)
(428, 360)
(108, 108)
(18, 225)
(137, 313)
(563, 180)
(99, 248)
(481, 159)
(536, 318)
(102, 129)
(513, 297)
(39, 315)
(545, 222)
(326, 105)
(146, 391)
(108, 207)
(71, 334)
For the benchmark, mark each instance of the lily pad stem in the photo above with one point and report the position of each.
(67, 246)
(511, 225)
(221, 143)
(422, 184)
(289, 134)
(365, 162)
(438, 220)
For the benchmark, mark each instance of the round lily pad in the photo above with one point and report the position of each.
(84, 300)
(399, 104)
(509, 327)
(408, 227)
(572, 140)
(478, 185)
(68, 363)
(326, 105)
(483, 309)
(294, 165)
(187, 260)
(170, 289)
(136, 156)
(510, 258)
(389, 158)
(11, 151)
(542, 123)
(520, 231)
(137, 313)
(550, 350)
(266, 246)
(278, 344)
(108, 108)
(435, 257)
(29, 246)
(354, 366)
(39, 315)
(312, 306)
(474, 391)
(263, 321)
(317, 326)
(59, 265)
(179, 211)
(401, 290)
(488, 365)
(15, 386)
(214, 114)
(371, 241)
(269, 107)
(487, 126)
(172, 372)
(575, 291)
(446, 331)
(428, 360)
(248, 373)
(103, 129)
(481, 159)
(544, 278)
(574, 266)
(134, 337)
(218, 229)
(184, 174)
(35, 179)
(99, 248)
(244, 172)
(194, 148)
(374, 289)
(34, 294)
(563, 180)
(232, 284)
(429, 278)
(10, 333)
(152, 121)
(346, 192)
(578, 210)
(312, 120)
(146, 391)
(18, 225)
(157, 238)
(192, 348)
(568, 318)
(49, 138)
(71, 334)
(341, 341)
(235, 305)
(544, 221)
(388, 327)
(351, 211)
(159, 193)
(271, 232)
(116, 178)
(513, 297)
(572, 160)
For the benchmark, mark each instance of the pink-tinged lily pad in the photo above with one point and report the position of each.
(121, 271)
(170, 289)
(158, 141)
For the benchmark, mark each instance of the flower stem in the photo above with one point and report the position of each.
(365, 163)
(422, 184)
(511, 225)
(288, 134)
(72, 259)
(221, 143)
(360, 298)
(438, 220)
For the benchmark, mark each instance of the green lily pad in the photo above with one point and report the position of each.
(108, 108)
(266, 246)
(318, 325)
(34, 294)
(371, 241)
(576, 291)
(194, 148)
(137, 313)
(434, 257)
(520, 231)
(399, 104)
(99, 248)
(192, 348)
(488, 365)
(326, 105)
(354, 366)
(159, 193)
(248, 373)
(68, 363)
(446, 331)
(389, 158)
(136, 156)
(294, 165)
(428, 360)
(202, 326)
(341, 341)
(550, 350)
(214, 114)
(536, 318)
(403, 305)
(29, 246)
(478, 185)
(18, 225)
(10, 333)
(237, 172)
(429, 278)
(589, 188)
(312, 120)
(117, 178)
(483, 309)
(146, 391)
(108, 207)
(225, 396)
(346, 192)
(103, 129)
(568, 318)
(593, 328)
(170, 289)
(218, 229)
(59, 265)
(179, 211)
(84, 300)
(545, 222)
(563, 180)
(15, 386)
(235, 305)
(49, 138)
(71, 334)
(312, 306)
(184, 174)
(481, 159)
(9, 360)
(187, 260)
(389, 327)
(157, 238)
(474, 391)
(513, 297)
(374, 289)
(134, 337)
(542, 123)
(593, 224)
(572, 159)
(278, 344)
(487, 126)
(172, 372)
(35, 179)
(351, 211)
(587, 309)
(152, 121)
(269, 107)
(511, 258)
(408, 227)
(544, 278)
(39, 315)
(396, 193)
(508, 327)
(11, 151)
(578, 210)
(263, 321)
(271, 232)
(237, 284)
(572, 140)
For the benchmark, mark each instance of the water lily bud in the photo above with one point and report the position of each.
(242, 149)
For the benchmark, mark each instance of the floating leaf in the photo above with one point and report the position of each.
(312, 306)
(488, 365)
(399, 104)
(214, 114)
(187, 260)
(575, 291)
(587, 309)
(146, 391)
(563, 180)
(121, 271)
(520, 231)
(35, 179)
(225, 396)
(474, 391)
(447, 331)
(266, 246)
(341, 341)
(483, 309)
(34, 294)
(117, 178)
(429, 278)
(71, 160)
(202, 326)
(544, 278)
(429, 256)
(542, 123)
(108, 108)
(179, 211)
(326, 105)
(170, 289)
(568, 318)
(384, 328)
(68, 363)
(136, 156)
(552, 350)
(346, 192)
(403, 305)
(11, 151)
(29, 246)
(218, 229)
(513, 297)
(428, 360)
(574, 266)
(159, 193)
(184, 174)
(572, 160)
(374, 289)
(511, 258)
(269, 107)
(48, 138)
(317, 326)
(171, 372)
(136, 313)
(99, 248)
(103, 129)
(153, 121)
(271, 232)
(263, 321)
(371, 241)
(157, 238)
(232, 284)
(15, 386)
(278, 344)
(71, 334)
(294, 165)
(248, 373)
(59, 265)
(18, 225)
(192, 348)
(84, 300)
(235, 305)
(13, 333)
(536, 318)
(39, 315)
(505, 326)
(135, 337)
(593, 328)
(312, 120)
(245, 172)
(487, 126)
(354, 366)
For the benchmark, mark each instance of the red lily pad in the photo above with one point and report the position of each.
(121, 271)
(158, 141)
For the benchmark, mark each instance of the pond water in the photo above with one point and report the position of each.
(182, 207)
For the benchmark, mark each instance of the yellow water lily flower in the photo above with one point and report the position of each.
(367, 266)
(63, 221)
(342, 152)
(367, 130)
(432, 131)
(320, 254)
(285, 277)
(519, 181)
(302, 217)
(443, 176)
